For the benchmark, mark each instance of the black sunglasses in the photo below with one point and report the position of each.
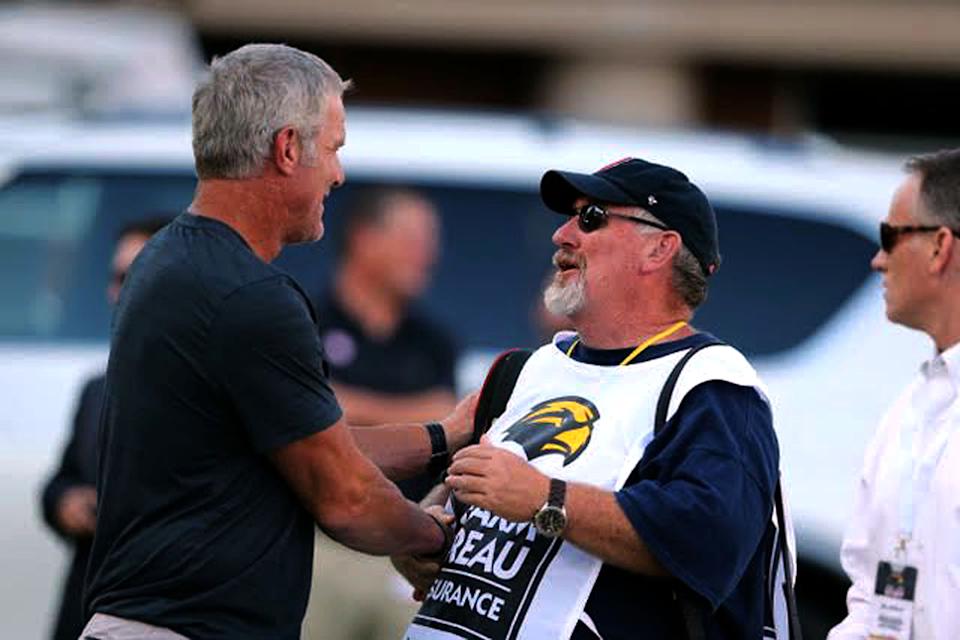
(890, 234)
(591, 217)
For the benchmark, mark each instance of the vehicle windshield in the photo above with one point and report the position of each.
(57, 231)
(783, 276)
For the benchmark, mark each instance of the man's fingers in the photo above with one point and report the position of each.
(479, 451)
(470, 401)
(420, 574)
(472, 498)
(427, 571)
(441, 515)
(472, 484)
(468, 466)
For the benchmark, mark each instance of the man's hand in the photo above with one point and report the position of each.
(77, 511)
(458, 426)
(499, 481)
(421, 573)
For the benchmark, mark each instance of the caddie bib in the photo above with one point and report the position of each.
(578, 422)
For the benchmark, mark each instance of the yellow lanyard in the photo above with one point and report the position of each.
(666, 333)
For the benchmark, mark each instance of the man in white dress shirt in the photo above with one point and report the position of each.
(902, 548)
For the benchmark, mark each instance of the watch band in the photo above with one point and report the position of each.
(439, 454)
(558, 493)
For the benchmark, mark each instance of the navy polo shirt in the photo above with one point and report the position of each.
(702, 505)
(418, 356)
(215, 362)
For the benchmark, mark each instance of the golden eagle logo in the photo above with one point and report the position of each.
(562, 425)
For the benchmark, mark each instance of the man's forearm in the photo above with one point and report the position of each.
(382, 522)
(504, 483)
(597, 524)
(400, 451)
(403, 450)
(351, 499)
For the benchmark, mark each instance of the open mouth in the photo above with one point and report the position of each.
(565, 262)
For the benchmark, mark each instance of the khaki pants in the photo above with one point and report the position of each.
(355, 597)
(106, 627)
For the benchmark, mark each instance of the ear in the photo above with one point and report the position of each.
(286, 150)
(660, 253)
(944, 246)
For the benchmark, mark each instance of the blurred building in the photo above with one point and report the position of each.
(864, 71)
(851, 68)
(98, 58)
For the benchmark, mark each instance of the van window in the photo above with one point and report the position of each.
(57, 231)
(783, 276)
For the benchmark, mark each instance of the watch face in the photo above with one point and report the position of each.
(550, 521)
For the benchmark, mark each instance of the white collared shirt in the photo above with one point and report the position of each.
(929, 408)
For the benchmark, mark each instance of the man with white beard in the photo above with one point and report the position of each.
(575, 516)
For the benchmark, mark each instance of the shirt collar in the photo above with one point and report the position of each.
(948, 360)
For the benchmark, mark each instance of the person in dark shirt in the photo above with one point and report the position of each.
(575, 518)
(221, 441)
(388, 361)
(69, 498)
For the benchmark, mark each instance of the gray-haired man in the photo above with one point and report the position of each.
(902, 547)
(221, 440)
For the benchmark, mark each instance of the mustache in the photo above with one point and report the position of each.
(565, 259)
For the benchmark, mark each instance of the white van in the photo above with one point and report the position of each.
(797, 229)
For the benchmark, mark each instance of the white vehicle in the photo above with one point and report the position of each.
(797, 229)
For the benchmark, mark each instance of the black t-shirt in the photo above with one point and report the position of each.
(702, 506)
(214, 362)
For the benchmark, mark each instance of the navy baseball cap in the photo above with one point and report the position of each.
(664, 192)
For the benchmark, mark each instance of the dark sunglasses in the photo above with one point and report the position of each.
(591, 217)
(890, 234)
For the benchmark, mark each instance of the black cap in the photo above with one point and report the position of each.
(664, 192)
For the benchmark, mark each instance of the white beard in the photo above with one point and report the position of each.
(565, 299)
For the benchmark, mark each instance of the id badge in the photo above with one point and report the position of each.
(892, 607)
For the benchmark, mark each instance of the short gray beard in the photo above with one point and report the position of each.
(565, 299)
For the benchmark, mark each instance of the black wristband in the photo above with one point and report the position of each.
(439, 454)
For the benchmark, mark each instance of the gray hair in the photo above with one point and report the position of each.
(251, 94)
(687, 277)
(940, 185)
